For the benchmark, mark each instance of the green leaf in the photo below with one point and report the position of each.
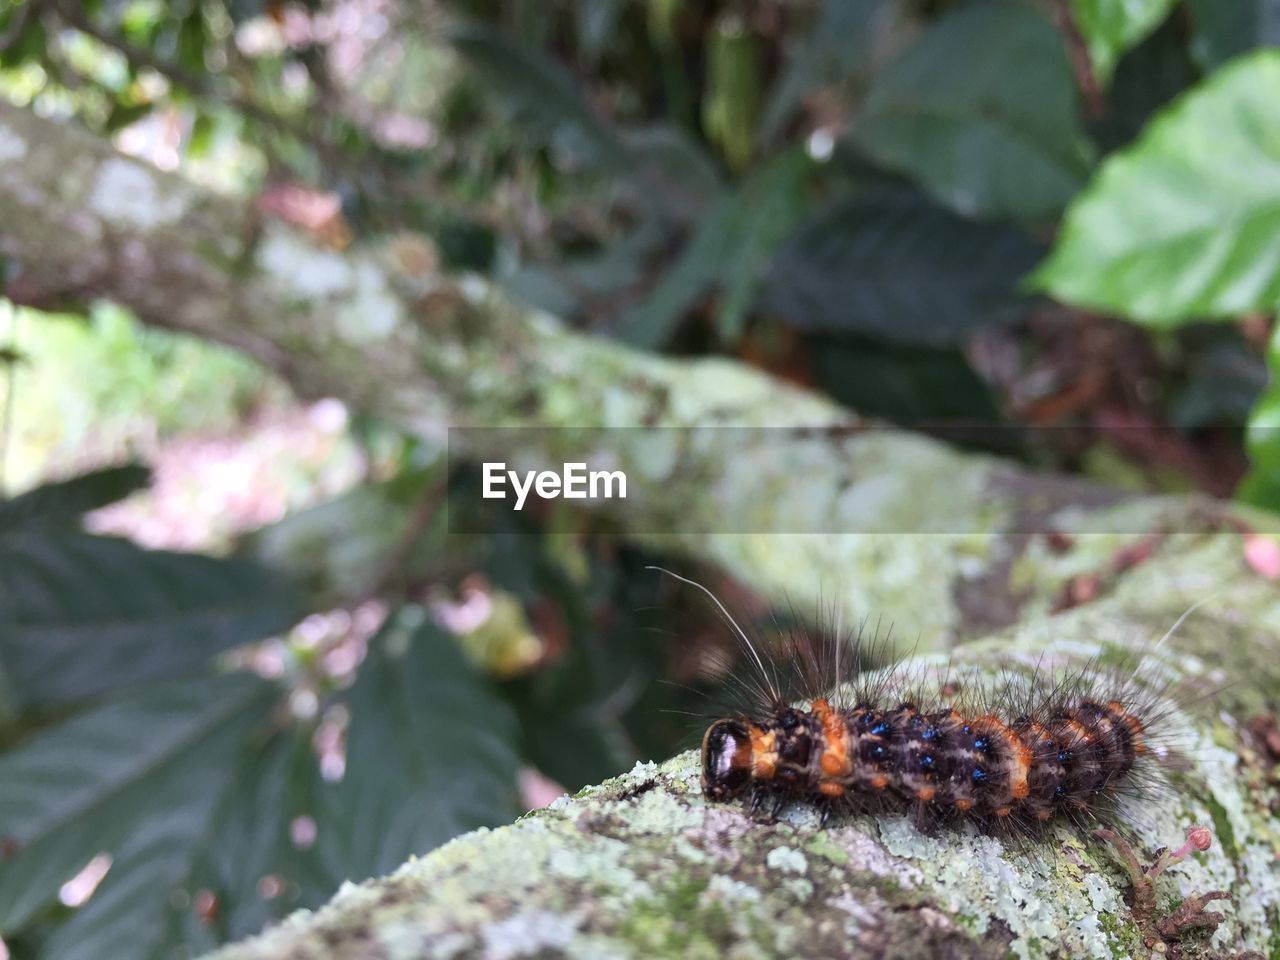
(80, 614)
(147, 768)
(1185, 223)
(192, 40)
(895, 267)
(1224, 30)
(124, 114)
(687, 280)
(1262, 439)
(1110, 27)
(540, 93)
(251, 839)
(64, 503)
(730, 249)
(770, 207)
(429, 753)
(993, 135)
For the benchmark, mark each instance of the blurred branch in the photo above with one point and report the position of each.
(642, 866)
(380, 327)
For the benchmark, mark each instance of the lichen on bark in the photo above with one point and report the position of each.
(643, 866)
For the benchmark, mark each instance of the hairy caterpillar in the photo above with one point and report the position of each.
(1015, 754)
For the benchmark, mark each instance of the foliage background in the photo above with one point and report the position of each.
(1059, 219)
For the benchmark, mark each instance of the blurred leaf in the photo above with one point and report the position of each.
(996, 135)
(771, 203)
(583, 286)
(122, 115)
(84, 614)
(466, 245)
(540, 93)
(910, 386)
(192, 40)
(672, 171)
(731, 100)
(148, 768)
(337, 550)
(1186, 222)
(836, 47)
(1110, 27)
(63, 504)
(251, 842)
(1147, 78)
(201, 138)
(895, 267)
(730, 249)
(1224, 381)
(687, 280)
(1261, 485)
(597, 21)
(30, 45)
(1224, 30)
(429, 753)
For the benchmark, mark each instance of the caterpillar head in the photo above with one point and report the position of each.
(726, 759)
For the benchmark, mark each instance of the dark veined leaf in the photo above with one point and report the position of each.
(1224, 30)
(1185, 223)
(63, 504)
(895, 267)
(259, 864)
(80, 614)
(992, 135)
(539, 92)
(137, 778)
(429, 753)
(1110, 27)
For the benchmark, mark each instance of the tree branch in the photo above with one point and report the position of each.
(642, 866)
(381, 329)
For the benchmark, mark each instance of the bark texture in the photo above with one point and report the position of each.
(640, 866)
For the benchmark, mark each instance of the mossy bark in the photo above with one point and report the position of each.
(640, 866)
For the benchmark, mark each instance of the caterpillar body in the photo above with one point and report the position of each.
(1016, 754)
(1026, 769)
